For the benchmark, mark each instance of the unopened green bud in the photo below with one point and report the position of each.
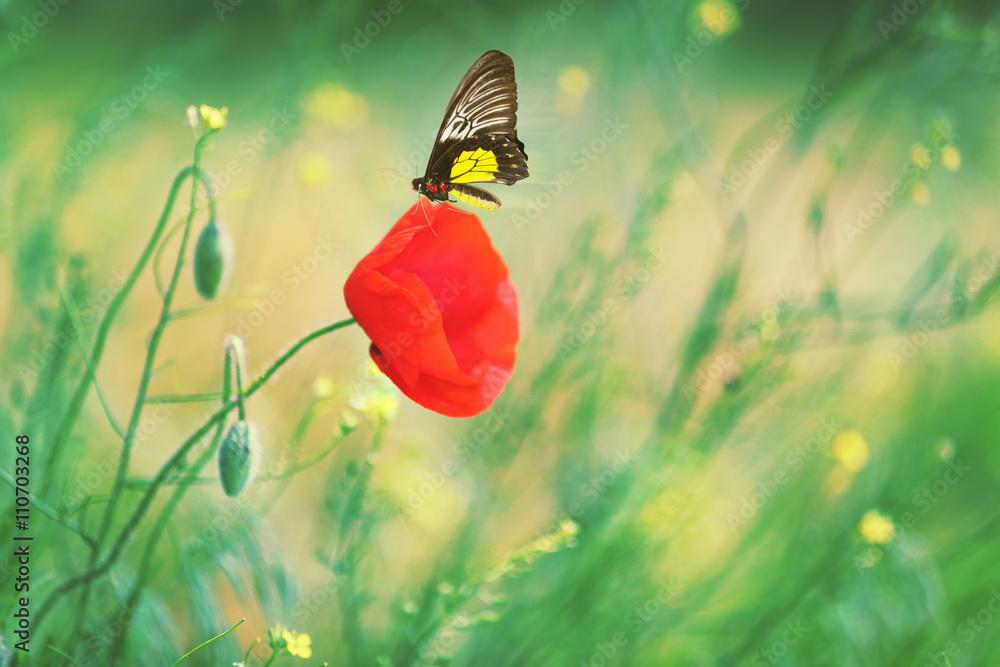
(239, 457)
(213, 257)
(348, 422)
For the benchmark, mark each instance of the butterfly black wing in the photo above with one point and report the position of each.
(477, 141)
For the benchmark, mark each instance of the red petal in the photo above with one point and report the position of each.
(442, 315)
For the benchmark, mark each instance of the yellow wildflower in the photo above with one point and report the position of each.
(574, 82)
(214, 118)
(951, 158)
(323, 386)
(851, 450)
(298, 644)
(337, 106)
(314, 170)
(920, 193)
(377, 397)
(877, 528)
(720, 16)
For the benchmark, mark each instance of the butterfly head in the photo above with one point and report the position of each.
(433, 191)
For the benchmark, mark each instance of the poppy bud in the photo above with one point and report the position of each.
(213, 256)
(239, 457)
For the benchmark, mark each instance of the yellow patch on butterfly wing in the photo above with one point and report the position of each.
(475, 200)
(472, 166)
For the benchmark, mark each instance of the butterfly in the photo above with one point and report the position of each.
(477, 141)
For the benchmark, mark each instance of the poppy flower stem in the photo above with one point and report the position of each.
(141, 507)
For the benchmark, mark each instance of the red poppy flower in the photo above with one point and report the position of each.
(436, 302)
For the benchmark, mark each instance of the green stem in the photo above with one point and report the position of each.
(204, 644)
(91, 372)
(346, 556)
(246, 656)
(63, 654)
(49, 512)
(157, 258)
(149, 548)
(294, 448)
(83, 386)
(104, 328)
(144, 503)
(305, 465)
(216, 307)
(154, 344)
(184, 398)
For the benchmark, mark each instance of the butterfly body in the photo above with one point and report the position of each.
(477, 141)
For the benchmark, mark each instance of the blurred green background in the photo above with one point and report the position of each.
(755, 414)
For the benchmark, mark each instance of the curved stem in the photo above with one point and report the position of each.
(160, 287)
(83, 386)
(104, 328)
(162, 521)
(70, 312)
(144, 503)
(200, 175)
(48, 511)
(204, 644)
(147, 373)
(154, 343)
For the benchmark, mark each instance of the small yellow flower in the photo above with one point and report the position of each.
(951, 158)
(573, 83)
(214, 118)
(337, 106)
(314, 170)
(851, 450)
(378, 398)
(569, 527)
(323, 386)
(298, 644)
(877, 528)
(920, 193)
(377, 404)
(920, 155)
(720, 16)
